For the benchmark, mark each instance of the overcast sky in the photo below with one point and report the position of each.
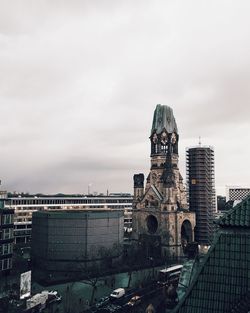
(80, 80)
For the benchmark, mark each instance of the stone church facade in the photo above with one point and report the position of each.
(162, 223)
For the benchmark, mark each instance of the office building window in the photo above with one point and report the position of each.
(5, 264)
(6, 248)
(7, 233)
(7, 219)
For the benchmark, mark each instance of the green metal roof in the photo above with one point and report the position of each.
(243, 305)
(222, 281)
(163, 118)
(239, 216)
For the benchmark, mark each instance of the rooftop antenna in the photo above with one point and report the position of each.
(199, 140)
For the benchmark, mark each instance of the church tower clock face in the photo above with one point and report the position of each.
(173, 138)
(164, 138)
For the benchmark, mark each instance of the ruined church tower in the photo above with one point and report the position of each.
(162, 223)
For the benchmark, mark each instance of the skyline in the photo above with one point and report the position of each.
(80, 83)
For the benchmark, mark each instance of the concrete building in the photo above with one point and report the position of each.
(221, 203)
(237, 193)
(201, 190)
(6, 235)
(25, 206)
(162, 223)
(73, 240)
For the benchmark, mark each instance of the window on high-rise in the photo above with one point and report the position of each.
(7, 219)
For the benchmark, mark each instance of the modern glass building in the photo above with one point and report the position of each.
(74, 240)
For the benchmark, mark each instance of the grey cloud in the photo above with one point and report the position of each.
(80, 80)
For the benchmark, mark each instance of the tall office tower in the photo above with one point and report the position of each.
(162, 223)
(201, 190)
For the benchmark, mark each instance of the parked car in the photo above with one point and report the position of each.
(134, 301)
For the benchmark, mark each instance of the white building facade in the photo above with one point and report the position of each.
(25, 206)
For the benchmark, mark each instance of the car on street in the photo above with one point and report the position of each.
(135, 300)
(117, 293)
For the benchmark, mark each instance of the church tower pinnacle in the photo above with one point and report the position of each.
(164, 132)
(160, 209)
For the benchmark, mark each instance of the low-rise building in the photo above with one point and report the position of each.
(237, 193)
(25, 206)
(73, 240)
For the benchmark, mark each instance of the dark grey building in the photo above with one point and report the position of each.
(221, 203)
(201, 190)
(6, 235)
(72, 240)
(224, 205)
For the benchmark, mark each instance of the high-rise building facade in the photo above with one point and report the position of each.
(201, 190)
(162, 223)
(6, 235)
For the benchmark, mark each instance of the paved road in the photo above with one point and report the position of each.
(76, 295)
(152, 294)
